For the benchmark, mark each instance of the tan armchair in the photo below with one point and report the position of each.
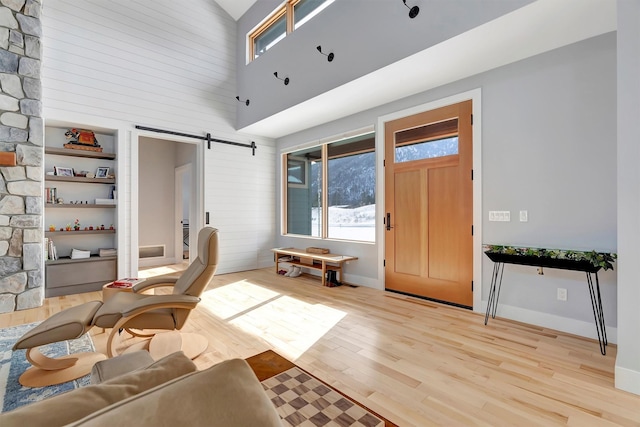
(132, 311)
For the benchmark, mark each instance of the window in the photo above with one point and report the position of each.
(297, 171)
(427, 142)
(303, 195)
(270, 36)
(291, 16)
(342, 206)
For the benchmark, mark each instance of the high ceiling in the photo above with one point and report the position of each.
(235, 8)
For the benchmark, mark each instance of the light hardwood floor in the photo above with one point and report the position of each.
(415, 362)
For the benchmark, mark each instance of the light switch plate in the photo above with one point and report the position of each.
(500, 216)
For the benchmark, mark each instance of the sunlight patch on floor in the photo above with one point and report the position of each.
(161, 270)
(235, 298)
(292, 326)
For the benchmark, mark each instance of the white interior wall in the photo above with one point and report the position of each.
(159, 63)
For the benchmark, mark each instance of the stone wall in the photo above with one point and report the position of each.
(21, 157)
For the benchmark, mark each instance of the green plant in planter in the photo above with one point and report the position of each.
(598, 259)
(602, 259)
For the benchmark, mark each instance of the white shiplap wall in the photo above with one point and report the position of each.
(166, 64)
(240, 194)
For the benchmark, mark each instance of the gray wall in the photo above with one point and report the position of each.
(156, 193)
(547, 147)
(343, 28)
(628, 360)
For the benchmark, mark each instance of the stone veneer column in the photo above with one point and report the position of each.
(21, 156)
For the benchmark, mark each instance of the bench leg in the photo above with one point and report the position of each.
(324, 273)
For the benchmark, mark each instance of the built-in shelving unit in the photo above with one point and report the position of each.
(78, 206)
(77, 232)
(80, 153)
(80, 179)
(76, 200)
(67, 260)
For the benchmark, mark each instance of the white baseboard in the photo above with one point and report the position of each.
(559, 323)
(154, 262)
(627, 380)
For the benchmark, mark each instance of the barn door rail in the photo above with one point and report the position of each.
(206, 137)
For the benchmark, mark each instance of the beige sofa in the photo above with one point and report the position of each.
(169, 392)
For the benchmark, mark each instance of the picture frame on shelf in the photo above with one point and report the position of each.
(61, 171)
(102, 172)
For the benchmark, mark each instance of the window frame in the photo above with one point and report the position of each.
(324, 214)
(286, 10)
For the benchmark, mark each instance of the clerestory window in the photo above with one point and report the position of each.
(284, 20)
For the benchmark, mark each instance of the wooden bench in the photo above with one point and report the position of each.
(322, 262)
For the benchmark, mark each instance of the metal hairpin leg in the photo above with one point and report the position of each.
(494, 294)
(598, 313)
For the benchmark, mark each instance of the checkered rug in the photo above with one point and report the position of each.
(302, 400)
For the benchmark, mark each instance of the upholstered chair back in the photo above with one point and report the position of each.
(197, 276)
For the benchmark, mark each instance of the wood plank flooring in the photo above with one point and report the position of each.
(415, 362)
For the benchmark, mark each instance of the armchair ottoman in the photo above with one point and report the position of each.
(68, 324)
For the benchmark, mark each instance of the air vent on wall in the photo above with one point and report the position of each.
(154, 251)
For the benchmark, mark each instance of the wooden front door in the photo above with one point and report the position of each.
(429, 204)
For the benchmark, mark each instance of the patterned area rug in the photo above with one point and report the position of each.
(14, 363)
(303, 400)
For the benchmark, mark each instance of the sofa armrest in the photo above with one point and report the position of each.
(155, 282)
(71, 406)
(227, 394)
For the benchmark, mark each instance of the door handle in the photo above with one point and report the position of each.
(389, 227)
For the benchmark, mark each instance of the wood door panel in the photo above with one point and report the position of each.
(429, 247)
(407, 241)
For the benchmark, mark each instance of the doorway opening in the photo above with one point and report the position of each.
(167, 199)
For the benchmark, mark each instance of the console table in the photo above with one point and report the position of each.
(591, 270)
(322, 262)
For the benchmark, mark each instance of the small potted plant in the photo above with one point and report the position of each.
(76, 225)
(52, 227)
(68, 227)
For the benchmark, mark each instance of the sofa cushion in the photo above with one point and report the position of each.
(68, 407)
(227, 394)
